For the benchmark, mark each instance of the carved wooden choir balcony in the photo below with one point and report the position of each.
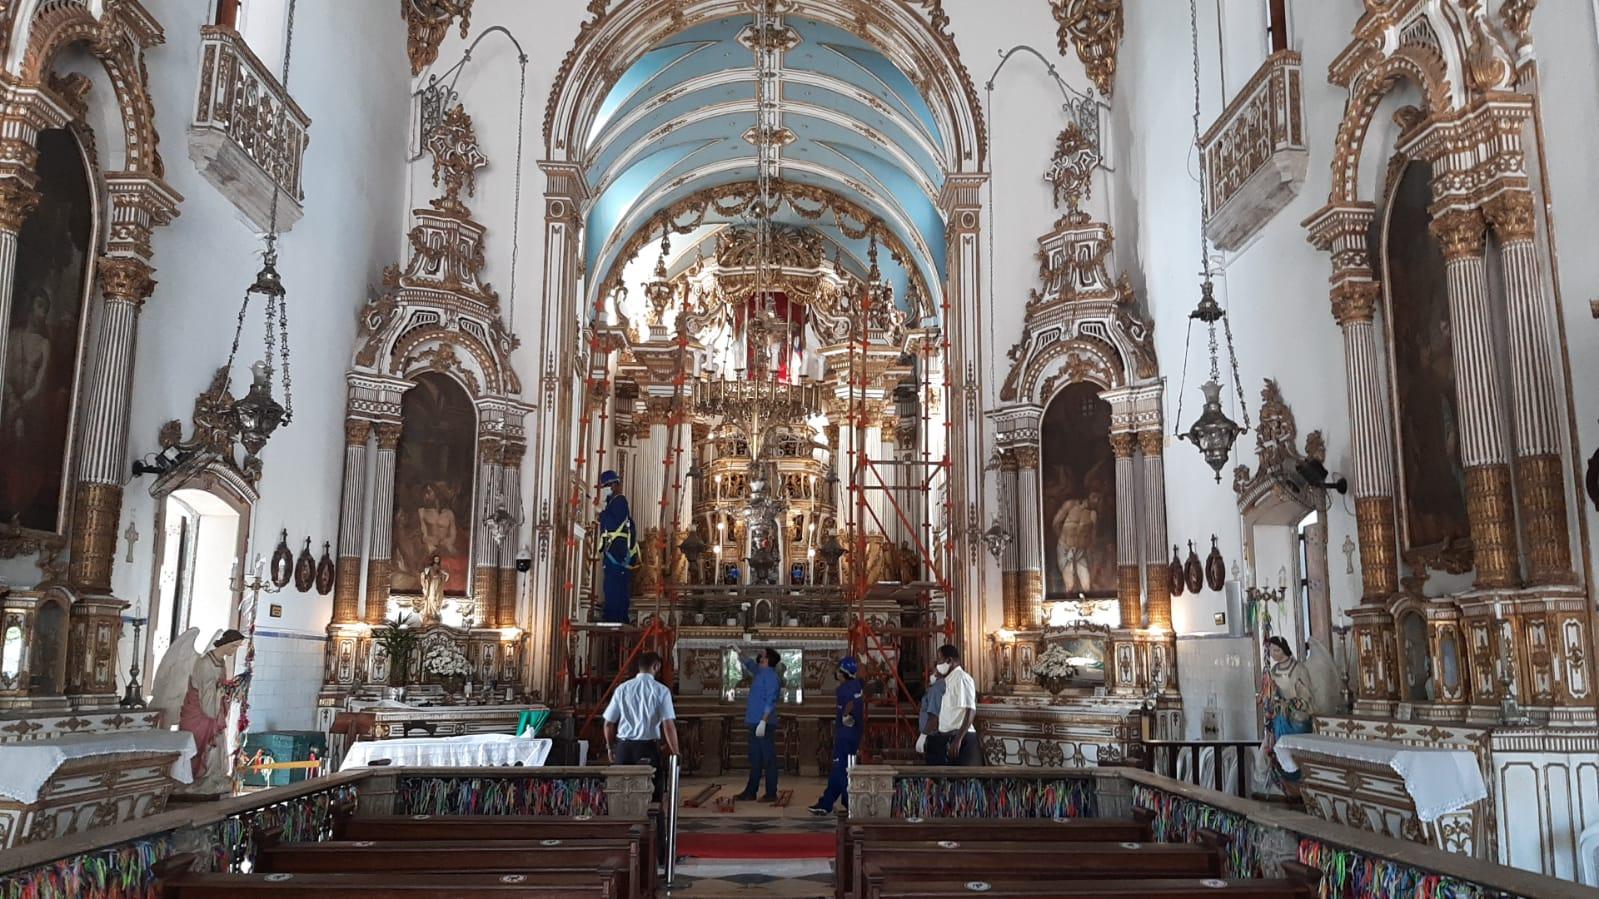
(248, 137)
(1255, 155)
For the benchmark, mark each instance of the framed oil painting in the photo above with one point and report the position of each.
(1422, 344)
(433, 478)
(44, 338)
(1078, 482)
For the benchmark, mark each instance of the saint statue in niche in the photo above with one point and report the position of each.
(433, 578)
(194, 692)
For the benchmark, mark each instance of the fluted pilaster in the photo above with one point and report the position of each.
(1010, 558)
(1129, 488)
(1371, 438)
(1460, 233)
(485, 551)
(1029, 539)
(379, 566)
(17, 201)
(1152, 445)
(1534, 386)
(352, 515)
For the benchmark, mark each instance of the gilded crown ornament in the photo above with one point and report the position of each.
(456, 159)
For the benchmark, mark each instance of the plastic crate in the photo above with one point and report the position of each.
(282, 746)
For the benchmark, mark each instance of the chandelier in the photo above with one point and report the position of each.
(1213, 433)
(658, 290)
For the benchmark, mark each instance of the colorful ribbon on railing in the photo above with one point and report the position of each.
(994, 797)
(118, 872)
(1347, 874)
(501, 796)
(1179, 820)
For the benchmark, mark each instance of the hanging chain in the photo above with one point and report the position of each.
(1199, 157)
(516, 208)
(1243, 407)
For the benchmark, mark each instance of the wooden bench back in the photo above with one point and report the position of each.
(178, 881)
(883, 886)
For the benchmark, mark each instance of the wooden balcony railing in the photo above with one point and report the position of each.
(1255, 155)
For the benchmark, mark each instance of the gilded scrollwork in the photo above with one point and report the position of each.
(1094, 29)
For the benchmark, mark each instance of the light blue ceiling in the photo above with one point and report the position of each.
(674, 124)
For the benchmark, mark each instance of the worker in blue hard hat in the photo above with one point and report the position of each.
(618, 548)
(849, 723)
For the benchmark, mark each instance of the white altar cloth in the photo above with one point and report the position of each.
(1439, 781)
(26, 767)
(471, 751)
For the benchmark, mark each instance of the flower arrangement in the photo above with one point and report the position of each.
(444, 660)
(398, 639)
(1054, 669)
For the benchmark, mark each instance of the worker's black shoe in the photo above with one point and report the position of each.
(745, 797)
(819, 811)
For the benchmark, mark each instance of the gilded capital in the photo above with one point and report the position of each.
(1355, 301)
(17, 202)
(1459, 233)
(126, 279)
(512, 453)
(1512, 215)
(356, 430)
(1122, 444)
(1153, 443)
(1026, 457)
(388, 434)
(1007, 460)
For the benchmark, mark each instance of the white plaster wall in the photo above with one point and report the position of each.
(350, 76)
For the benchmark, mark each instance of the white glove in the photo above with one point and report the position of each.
(921, 743)
(849, 720)
(760, 729)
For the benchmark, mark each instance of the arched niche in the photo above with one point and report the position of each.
(1077, 485)
(56, 251)
(434, 478)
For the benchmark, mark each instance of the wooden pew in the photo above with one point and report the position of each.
(1078, 861)
(446, 856)
(177, 880)
(1299, 882)
(852, 834)
(508, 827)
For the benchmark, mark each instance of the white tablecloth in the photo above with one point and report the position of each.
(1439, 781)
(26, 767)
(471, 751)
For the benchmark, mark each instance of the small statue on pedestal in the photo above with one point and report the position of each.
(433, 577)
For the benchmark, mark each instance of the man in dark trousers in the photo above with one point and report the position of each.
(760, 716)
(618, 547)
(639, 715)
(931, 743)
(849, 724)
(958, 709)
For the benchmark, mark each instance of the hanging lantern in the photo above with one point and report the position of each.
(692, 547)
(658, 290)
(1214, 433)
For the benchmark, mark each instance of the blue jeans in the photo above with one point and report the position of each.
(763, 760)
(844, 746)
(618, 589)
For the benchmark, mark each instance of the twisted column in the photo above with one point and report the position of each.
(379, 566)
(1460, 233)
(1540, 480)
(352, 515)
(125, 284)
(1129, 579)
(1158, 580)
(1029, 539)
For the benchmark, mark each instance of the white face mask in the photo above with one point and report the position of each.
(943, 668)
(605, 492)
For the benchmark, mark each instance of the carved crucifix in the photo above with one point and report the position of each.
(132, 536)
(1349, 554)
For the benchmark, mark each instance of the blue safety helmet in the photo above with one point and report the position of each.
(609, 477)
(849, 666)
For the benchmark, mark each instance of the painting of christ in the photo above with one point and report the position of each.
(1424, 369)
(43, 336)
(433, 477)
(1078, 482)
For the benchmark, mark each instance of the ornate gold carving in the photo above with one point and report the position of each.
(1493, 525)
(1010, 599)
(486, 593)
(17, 202)
(1152, 443)
(388, 434)
(1264, 119)
(377, 587)
(428, 21)
(1517, 16)
(1123, 443)
(1094, 27)
(1157, 579)
(1355, 301)
(1026, 457)
(456, 159)
(1541, 493)
(1030, 598)
(356, 431)
(1130, 595)
(96, 512)
(347, 591)
(1512, 216)
(1459, 233)
(125, 279)
(1071, 169)
(507, 603)
(1379, 570)
(215, 428)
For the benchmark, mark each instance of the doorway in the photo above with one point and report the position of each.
(197, 582)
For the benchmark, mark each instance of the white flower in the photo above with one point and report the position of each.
(1055, 662)
(445, 660)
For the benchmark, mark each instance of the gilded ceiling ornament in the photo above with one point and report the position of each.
(429, 21)
(456, 159)
(1094, 27)
(1071, 169)
(1517, 16)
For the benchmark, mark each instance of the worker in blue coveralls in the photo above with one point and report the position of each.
(618, 546)
(849, 724)
(761, 719)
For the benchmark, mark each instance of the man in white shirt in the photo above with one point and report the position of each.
(639, 714)
(958, 710)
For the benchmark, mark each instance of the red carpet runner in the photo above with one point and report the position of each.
(756, 845)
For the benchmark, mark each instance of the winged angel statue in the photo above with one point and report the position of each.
(193, 692)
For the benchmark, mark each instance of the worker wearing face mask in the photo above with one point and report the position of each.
(618, 548)
(930, 743)
(958, 711)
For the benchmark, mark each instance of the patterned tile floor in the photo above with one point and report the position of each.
(797, 878)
